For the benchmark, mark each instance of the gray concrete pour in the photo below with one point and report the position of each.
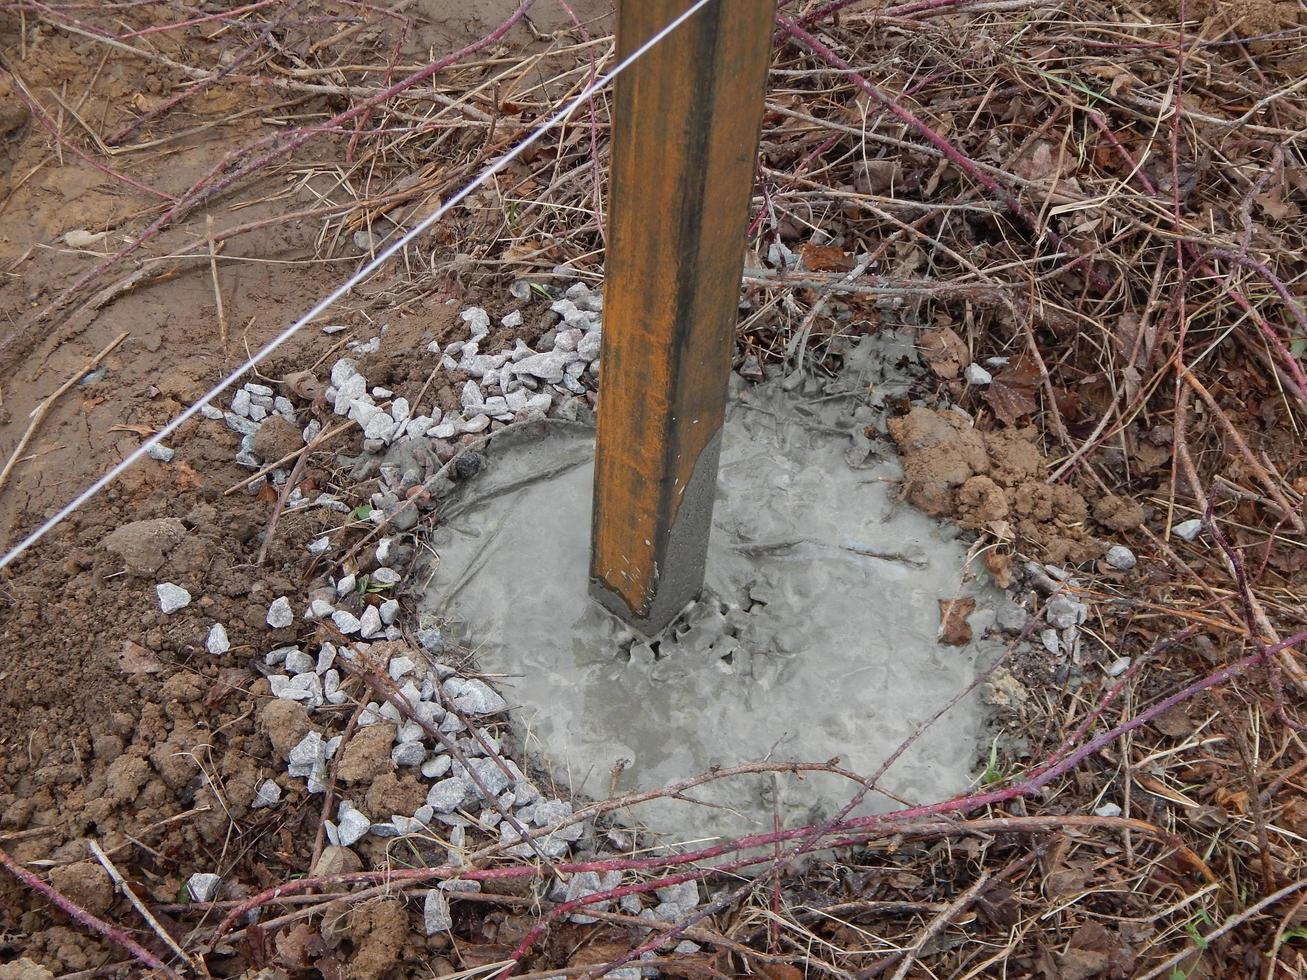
(815, 637)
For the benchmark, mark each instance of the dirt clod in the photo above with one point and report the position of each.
(993, 480)
(285, 723)
(367, 754)
(391, 793)
(86, 884)
(24, 969)
(378, 930)
(276, 439)
(144, 546)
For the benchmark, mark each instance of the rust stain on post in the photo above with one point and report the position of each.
(686, 124)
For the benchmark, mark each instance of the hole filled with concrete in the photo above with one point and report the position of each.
(816, 635)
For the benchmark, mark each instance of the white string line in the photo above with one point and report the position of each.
(367, 270)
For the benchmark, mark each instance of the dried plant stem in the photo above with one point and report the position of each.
(94, 923)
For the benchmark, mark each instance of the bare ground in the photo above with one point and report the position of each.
(1135, 396)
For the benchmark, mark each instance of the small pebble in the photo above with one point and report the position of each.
(1118, 667)
(369, 623)
(351, 824)
(478, 698)
(389, 611)
(435, 913)
(1108, 810)
(977, 375)
(346, 585)
(172, 597)
(437, 766)
(217, 641)
(1120, 557)
(269, 794)
(1187, 530)
(346, 621)
(320, 546)
(320, 609)
(279, 613)
(160, 452)
(1064, 612)
(408, 754)
(202, 886)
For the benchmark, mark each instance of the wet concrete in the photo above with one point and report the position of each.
(815, 637)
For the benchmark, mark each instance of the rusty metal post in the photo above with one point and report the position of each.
(686, 122)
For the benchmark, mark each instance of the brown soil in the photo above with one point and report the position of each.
(118, 726)
(996, 481)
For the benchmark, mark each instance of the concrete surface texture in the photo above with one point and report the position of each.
(816, 635)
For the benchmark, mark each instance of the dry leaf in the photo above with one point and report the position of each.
(945, 352)
(825, 258)
(953, 626)
(999, 565)
(135, 659)
(1012, 393)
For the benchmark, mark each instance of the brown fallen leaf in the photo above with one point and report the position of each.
(945, 352)
(825, 258)
(999, 565)
(953, 626)
(778, 971)
(135, 659)
(1012, 393)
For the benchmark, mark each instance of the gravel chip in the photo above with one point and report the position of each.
(269, 794)
(588, 346)
(1108, 810)
(408, 754)
(977, 375)
(171, 597)
(435, 913)
(307, 752)
(389, 611)
(1063, 612)
(386, 576)
(478, 698)
(299, 662)
(547, 367)
(1118, 667)
(471, 397)
(320, 546)
(346, 621)
(162, 453)
(1120, 557)
(437, 766)
(1188, 530)
(202, 886)
(351, 824)
(446, 795)
(320, 609)
(217, 641)
(279, 613)
(369, 623)
(494, 779)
